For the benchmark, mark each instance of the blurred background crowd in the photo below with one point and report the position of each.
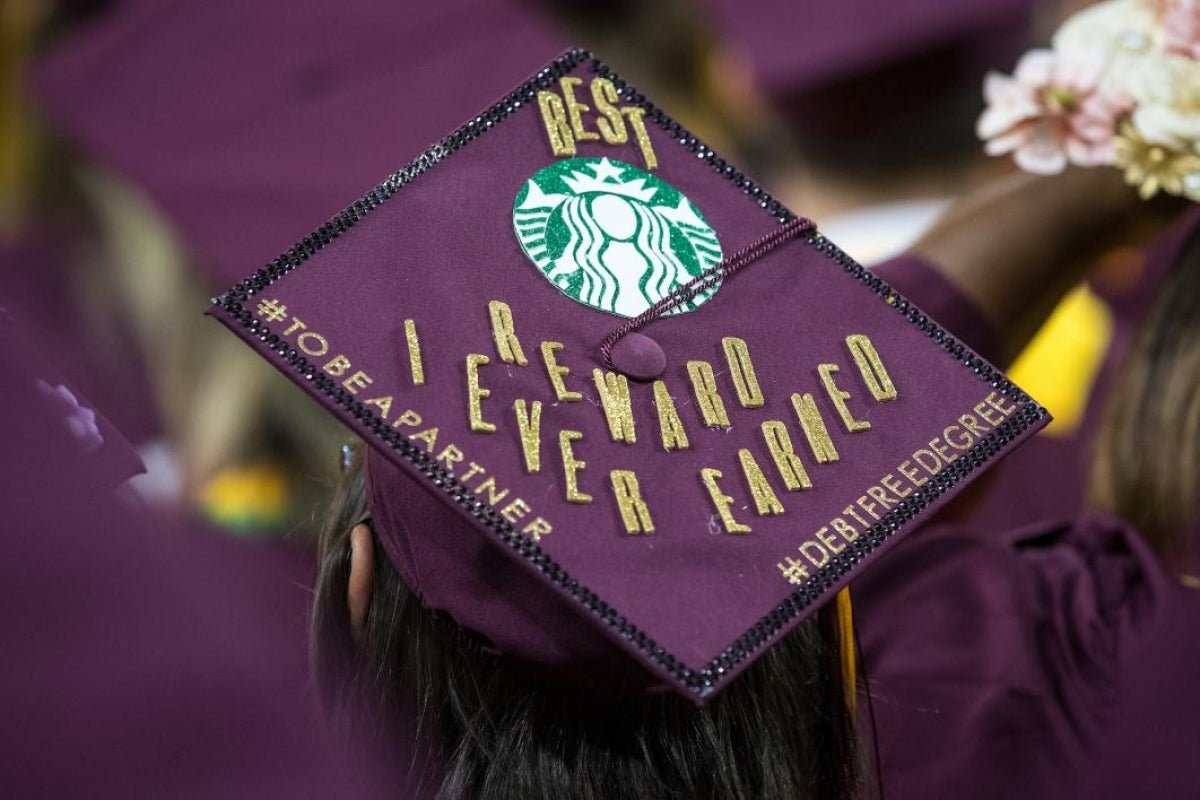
(155, 152)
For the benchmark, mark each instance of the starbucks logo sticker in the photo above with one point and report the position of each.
(613, 237)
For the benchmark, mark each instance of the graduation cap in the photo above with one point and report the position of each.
(209, 107)
(621, 405)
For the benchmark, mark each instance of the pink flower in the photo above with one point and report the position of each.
(1050, 112)
(1181, 28)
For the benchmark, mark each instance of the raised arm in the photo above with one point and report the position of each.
(1017, 246)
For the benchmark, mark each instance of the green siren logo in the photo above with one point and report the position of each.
(612, 236)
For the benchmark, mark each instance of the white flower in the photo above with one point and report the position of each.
(1127, 36)
(1118, 28)
(1176, 128)
(1168, 111)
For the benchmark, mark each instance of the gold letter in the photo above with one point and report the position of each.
(337, 366)
(296, 325)
(721, 501)
(557, 372)
(936, 446)
(744, 381)
(611, 126)
(384, 404)
(538, 528)
(489, 484)
(704, 385)
(321, 348)
(880, 494)
(963, 443)
(508, 347)
(932, 469)
(428, 436)
(972, 425)
(515, 510)
(635, 114)
(475, 394)
(451, 455)
(889, 482)
(996, 401)
(572, 466)
(765, 501)
(562, 143)
(850, 512)
(674, 437)
(614, 397)
(911, 474)
(779, 444)
(634, 512)
(817, 560)
(814, 428)
(986, 414)
(839, 398)
(575, 109)
(794, 571)
(359, 380)
(826, 538)
(845, 529)
(879, 383)
(414, 352)
(529, 425)
(409, 417)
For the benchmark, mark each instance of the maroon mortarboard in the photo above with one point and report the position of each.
(619, 399)
(212, 108)
(837, 69)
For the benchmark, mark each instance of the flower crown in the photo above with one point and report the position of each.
(1120, 87)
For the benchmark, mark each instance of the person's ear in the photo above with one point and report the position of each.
(362, 573)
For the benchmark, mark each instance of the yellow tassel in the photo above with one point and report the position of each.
(845, 625)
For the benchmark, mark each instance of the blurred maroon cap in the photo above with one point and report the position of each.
(855, 66)
(248, 122)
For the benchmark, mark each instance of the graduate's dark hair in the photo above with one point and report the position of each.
(1147, 465)
(780, 731)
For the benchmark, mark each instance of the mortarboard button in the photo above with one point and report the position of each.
(639, 357)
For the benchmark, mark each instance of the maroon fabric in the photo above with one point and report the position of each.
(854, 66)
(1053, 661)
(920, 281)
(136, 665)
(442, 248)
(1002, 669)
(252, 123)
(1148, 749)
